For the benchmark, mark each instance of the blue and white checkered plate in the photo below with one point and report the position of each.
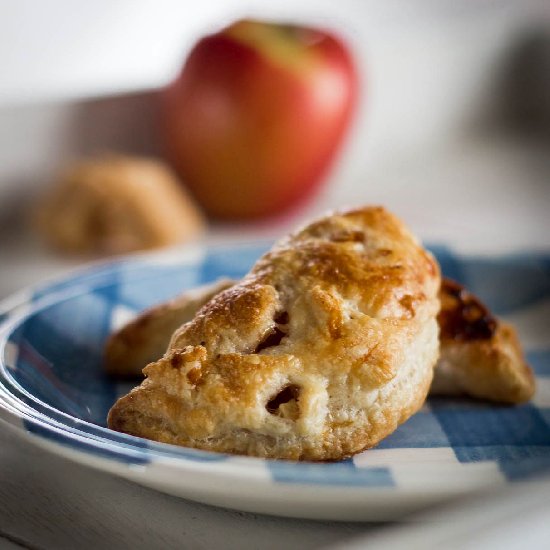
(54, 392)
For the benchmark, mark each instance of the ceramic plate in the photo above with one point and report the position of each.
(53, 391)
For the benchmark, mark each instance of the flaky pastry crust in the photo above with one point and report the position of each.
(145, 338)
(480, 355)
(322, 350)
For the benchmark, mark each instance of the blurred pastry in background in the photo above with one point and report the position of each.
(116, 204)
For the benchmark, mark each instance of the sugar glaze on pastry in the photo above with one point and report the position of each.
(322, 350)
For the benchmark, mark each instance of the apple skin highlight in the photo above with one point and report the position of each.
(257, 116)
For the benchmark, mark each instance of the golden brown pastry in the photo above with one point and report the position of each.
(323, 349)
(118, 204)
(480, 356)
(145, 338)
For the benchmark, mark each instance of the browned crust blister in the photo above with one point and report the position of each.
(323, 349)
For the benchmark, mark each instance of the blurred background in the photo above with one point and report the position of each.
(451, 129)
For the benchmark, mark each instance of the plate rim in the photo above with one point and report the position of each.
(14, 312)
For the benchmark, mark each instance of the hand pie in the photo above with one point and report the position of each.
(480, 356)
(322, 350)
(145, 338)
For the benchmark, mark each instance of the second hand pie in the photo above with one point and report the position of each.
(321, 351)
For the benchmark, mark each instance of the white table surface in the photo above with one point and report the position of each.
(49, 502)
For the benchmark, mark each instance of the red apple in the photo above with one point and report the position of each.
(257, 115)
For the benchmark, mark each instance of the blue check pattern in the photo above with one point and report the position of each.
(52, 384)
